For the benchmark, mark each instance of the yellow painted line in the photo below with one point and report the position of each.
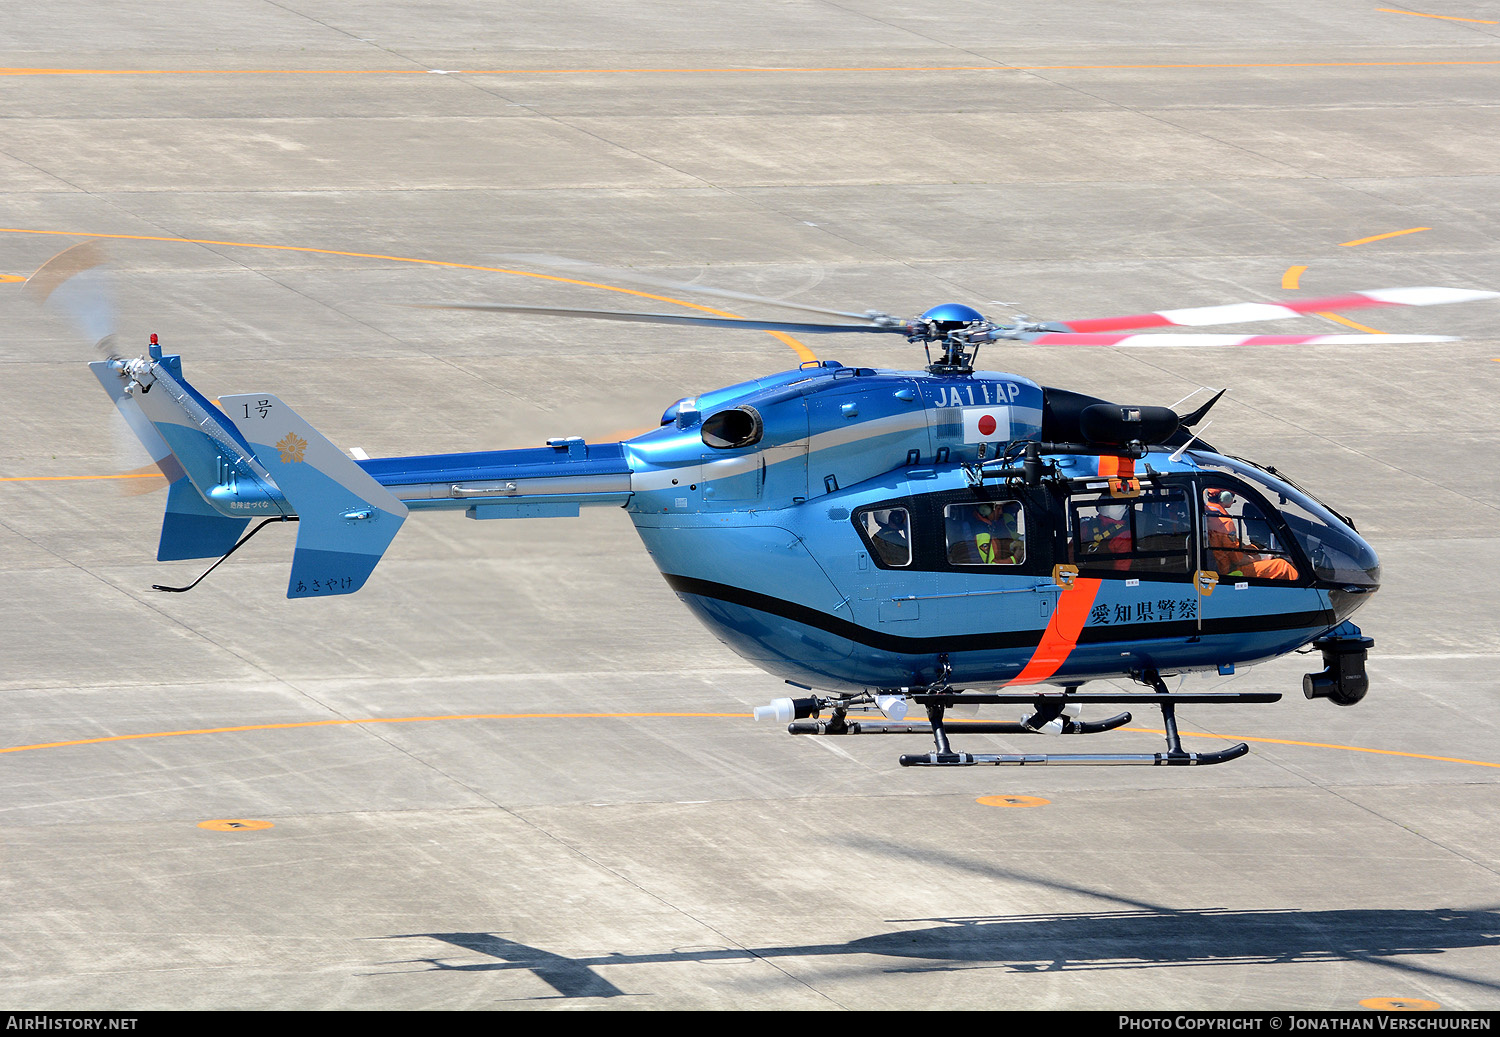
(12, 279)
(736, 70)
(1318, 745)
(76, 478)
(802, 351)
(648, 716)
(1382, 237)
(1294, 274)
(1444, 17)
(369, 720)
(1351, 324)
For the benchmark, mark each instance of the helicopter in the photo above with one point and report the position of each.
(880, 539)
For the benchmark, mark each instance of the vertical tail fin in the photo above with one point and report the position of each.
(346, 519)
(254, 458)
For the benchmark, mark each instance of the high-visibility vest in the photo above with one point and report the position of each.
(992, 553)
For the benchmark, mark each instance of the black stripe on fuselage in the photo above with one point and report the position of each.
(991, 640)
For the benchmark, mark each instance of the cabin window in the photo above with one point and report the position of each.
(986, 533)
(889, 532)
(1149, 535)
(1241, 542)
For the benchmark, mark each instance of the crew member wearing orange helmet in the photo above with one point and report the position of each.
(1232, 555)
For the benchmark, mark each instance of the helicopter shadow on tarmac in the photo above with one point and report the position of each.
(1138, 936)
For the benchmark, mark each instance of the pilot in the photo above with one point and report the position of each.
(993, 536)
(1234, 555)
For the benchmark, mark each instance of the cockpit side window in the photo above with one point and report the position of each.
(986, 533)
(1336, 552)
(1242, 542)
(1149, 535)
(889, 532)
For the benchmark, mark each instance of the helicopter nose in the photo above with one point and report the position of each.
(1346, 597)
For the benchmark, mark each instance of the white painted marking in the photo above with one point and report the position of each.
(1427, 296)
(823, 743)
(1153, 341)
(1234, 313)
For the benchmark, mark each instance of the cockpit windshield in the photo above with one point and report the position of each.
(1338, 554)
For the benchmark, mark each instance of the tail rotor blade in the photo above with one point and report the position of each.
(78, 285)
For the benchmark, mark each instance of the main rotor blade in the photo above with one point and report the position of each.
(672, 318)
(1237, 313)
(613, 274)
(1137, 341)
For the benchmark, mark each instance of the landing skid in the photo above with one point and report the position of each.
(1053, 714)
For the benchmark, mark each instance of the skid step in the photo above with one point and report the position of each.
(968, 698)
(881, 726)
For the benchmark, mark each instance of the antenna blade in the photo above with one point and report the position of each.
(1177, 454)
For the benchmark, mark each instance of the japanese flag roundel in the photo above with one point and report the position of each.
(987, 424)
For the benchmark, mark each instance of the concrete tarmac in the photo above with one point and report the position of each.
(513, 771)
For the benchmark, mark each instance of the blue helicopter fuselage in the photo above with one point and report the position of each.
(843, 528)
(821, 523)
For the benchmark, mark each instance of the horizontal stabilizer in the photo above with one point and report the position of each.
(346, 519)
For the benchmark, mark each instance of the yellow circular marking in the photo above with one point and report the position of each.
(235, 825)
(1292, 276)
(1012, 801)
(1399, 1004)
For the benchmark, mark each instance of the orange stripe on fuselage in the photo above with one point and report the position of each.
(1062, 632)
